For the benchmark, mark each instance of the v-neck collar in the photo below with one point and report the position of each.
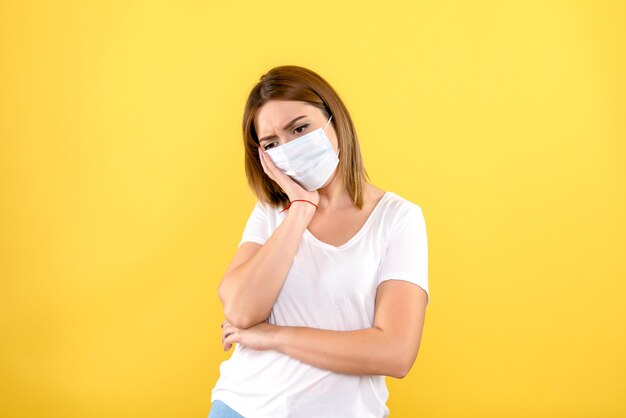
(356, 236)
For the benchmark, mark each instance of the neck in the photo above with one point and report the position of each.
(334, 195)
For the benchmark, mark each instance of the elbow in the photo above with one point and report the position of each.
(402, 371)
(403, 366)
(237, 323)
(235, 318)
(235, 314)
(239, 319)
(231, 316)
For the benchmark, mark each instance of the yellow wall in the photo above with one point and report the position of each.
(123, 194)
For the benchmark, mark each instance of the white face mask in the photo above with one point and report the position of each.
(309, 160)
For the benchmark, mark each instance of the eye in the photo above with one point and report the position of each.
(267, 146)
(301, 128)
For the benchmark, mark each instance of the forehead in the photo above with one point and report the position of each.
(277, 113)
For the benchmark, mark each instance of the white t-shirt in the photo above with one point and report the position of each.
(332, 288)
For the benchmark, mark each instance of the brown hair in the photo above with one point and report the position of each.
(290, 82)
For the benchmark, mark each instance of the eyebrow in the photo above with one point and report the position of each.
(265, 138)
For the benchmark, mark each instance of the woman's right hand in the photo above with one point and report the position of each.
(290, 187)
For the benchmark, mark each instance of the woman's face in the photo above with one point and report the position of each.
(280, 121)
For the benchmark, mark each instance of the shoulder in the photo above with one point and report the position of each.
(404, 229)
(400, 207)
(268, 212)
(401, 214)
(265, 207)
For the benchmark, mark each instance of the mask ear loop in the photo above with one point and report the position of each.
(331, 116)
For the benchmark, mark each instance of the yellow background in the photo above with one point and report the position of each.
(123, 193)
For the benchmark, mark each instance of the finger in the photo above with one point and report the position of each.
(228, 341)
(225, 327)
(228, 330)
(226, 345)
(269, 163)
(264, 164)
(275, 173)
(267, 167)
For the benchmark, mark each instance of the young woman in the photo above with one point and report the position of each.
(327, 292)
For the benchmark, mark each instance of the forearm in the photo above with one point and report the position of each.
(249, 291)
(368, 351)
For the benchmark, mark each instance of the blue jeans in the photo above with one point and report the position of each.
(220, 410)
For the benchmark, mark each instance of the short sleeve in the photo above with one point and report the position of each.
(406, 257)
(257, 227)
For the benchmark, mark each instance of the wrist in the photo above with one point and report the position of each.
(301, 208)
(279, 338)
(307, 201)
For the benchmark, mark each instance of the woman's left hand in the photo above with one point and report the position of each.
(259, 337)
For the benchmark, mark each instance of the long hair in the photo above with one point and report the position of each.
(291, 82)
